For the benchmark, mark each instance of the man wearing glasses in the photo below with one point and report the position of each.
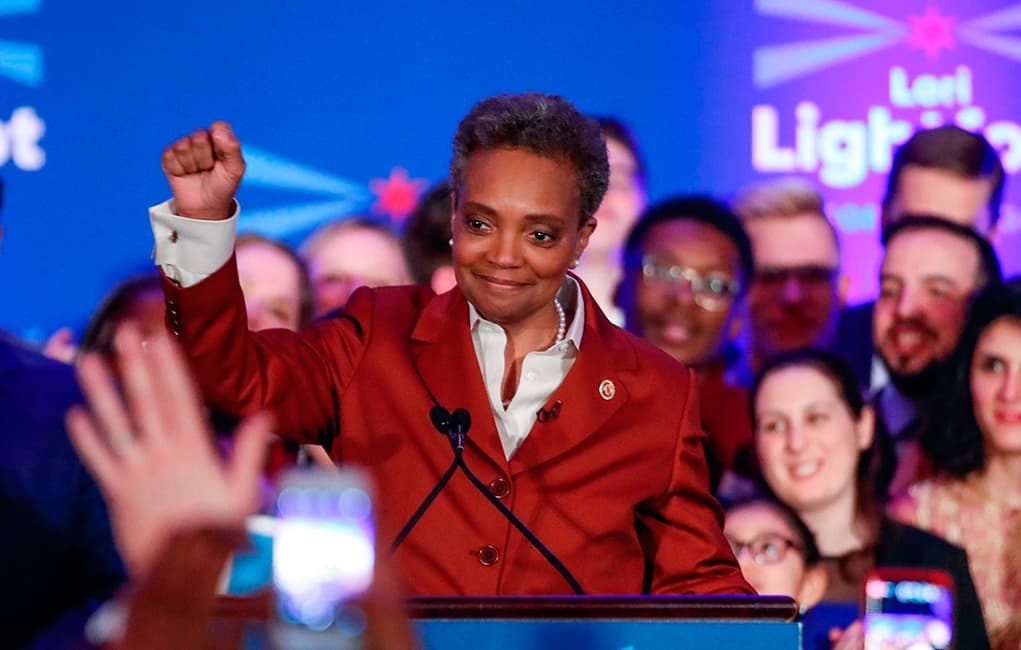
(797, 291)
(687, 263)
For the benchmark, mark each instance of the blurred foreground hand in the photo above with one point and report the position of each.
(151, 451)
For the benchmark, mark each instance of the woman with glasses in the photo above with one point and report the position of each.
(974, 440)
(813, 439)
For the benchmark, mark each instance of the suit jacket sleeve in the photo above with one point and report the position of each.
(682, 530)
(297, 377)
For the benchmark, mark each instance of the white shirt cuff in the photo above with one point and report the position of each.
(190, 250)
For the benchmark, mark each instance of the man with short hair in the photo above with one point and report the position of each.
(931, 268)
(687, 265)
(797, 291)
(945, 172)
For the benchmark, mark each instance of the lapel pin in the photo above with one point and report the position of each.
(607, 390)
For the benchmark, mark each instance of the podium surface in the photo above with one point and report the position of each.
(606, 623)
(583, 622)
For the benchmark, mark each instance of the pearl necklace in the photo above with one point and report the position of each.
(561, 321)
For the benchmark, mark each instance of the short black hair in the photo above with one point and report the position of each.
(427, 232)
(951, 436)
(546, 125)
(700, 208)
(614, 128)
(989, 262)
(952, 149)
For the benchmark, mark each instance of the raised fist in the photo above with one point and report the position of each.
(204, 170)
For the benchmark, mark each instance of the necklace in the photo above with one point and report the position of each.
(561, 321)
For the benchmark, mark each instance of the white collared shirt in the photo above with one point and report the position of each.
(190, 250)
(542, 371)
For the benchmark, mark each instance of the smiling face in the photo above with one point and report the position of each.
(996, 387)
(516, 233)
(807, 440)
(926, 279)
(666, 314)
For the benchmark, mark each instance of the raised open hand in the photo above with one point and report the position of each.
(204, 170)
(151, 452)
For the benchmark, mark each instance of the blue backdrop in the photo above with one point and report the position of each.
(330, 99)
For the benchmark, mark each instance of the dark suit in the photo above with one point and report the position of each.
(616, 485)
(854, 343)
(901, 546)
(58, 555)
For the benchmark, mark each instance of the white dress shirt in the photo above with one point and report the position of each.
(190, 250)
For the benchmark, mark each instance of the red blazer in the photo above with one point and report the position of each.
(616, 488)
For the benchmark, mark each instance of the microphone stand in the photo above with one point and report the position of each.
(455, 426)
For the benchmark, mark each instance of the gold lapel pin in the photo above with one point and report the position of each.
(607, 390)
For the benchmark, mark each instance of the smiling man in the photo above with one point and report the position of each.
(687, 264)
(570, 425)
(931, 268)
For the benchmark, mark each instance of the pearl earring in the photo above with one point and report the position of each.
(450, 242)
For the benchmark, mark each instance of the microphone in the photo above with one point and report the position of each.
(460, 422)
(455, 426)
(441, 419)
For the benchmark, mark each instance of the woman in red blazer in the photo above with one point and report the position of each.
(606, 466)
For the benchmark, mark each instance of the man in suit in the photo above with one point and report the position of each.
(945, 172)
(570, 428)
(58, 552)
(797, 289)
(931, 269)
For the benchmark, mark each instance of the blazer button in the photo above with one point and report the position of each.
(488, 555)
(500, 487)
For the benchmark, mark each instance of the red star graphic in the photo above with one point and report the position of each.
(397, 195)
(932, 32)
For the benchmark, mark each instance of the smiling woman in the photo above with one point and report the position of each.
(975, 441)
(813, 437)
(612, 478)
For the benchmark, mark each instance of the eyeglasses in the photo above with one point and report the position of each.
(810, 276)
(711, 291)
(765, 549)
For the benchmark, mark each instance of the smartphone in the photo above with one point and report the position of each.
(909, 609)
(324, 548)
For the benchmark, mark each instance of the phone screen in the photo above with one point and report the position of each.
(324, 546)
(907, 610)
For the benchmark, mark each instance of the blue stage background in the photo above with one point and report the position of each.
(330, 99)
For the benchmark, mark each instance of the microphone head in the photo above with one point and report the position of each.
(461, 420)
(441, 419)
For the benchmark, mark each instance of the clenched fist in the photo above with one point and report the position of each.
(204, 170)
